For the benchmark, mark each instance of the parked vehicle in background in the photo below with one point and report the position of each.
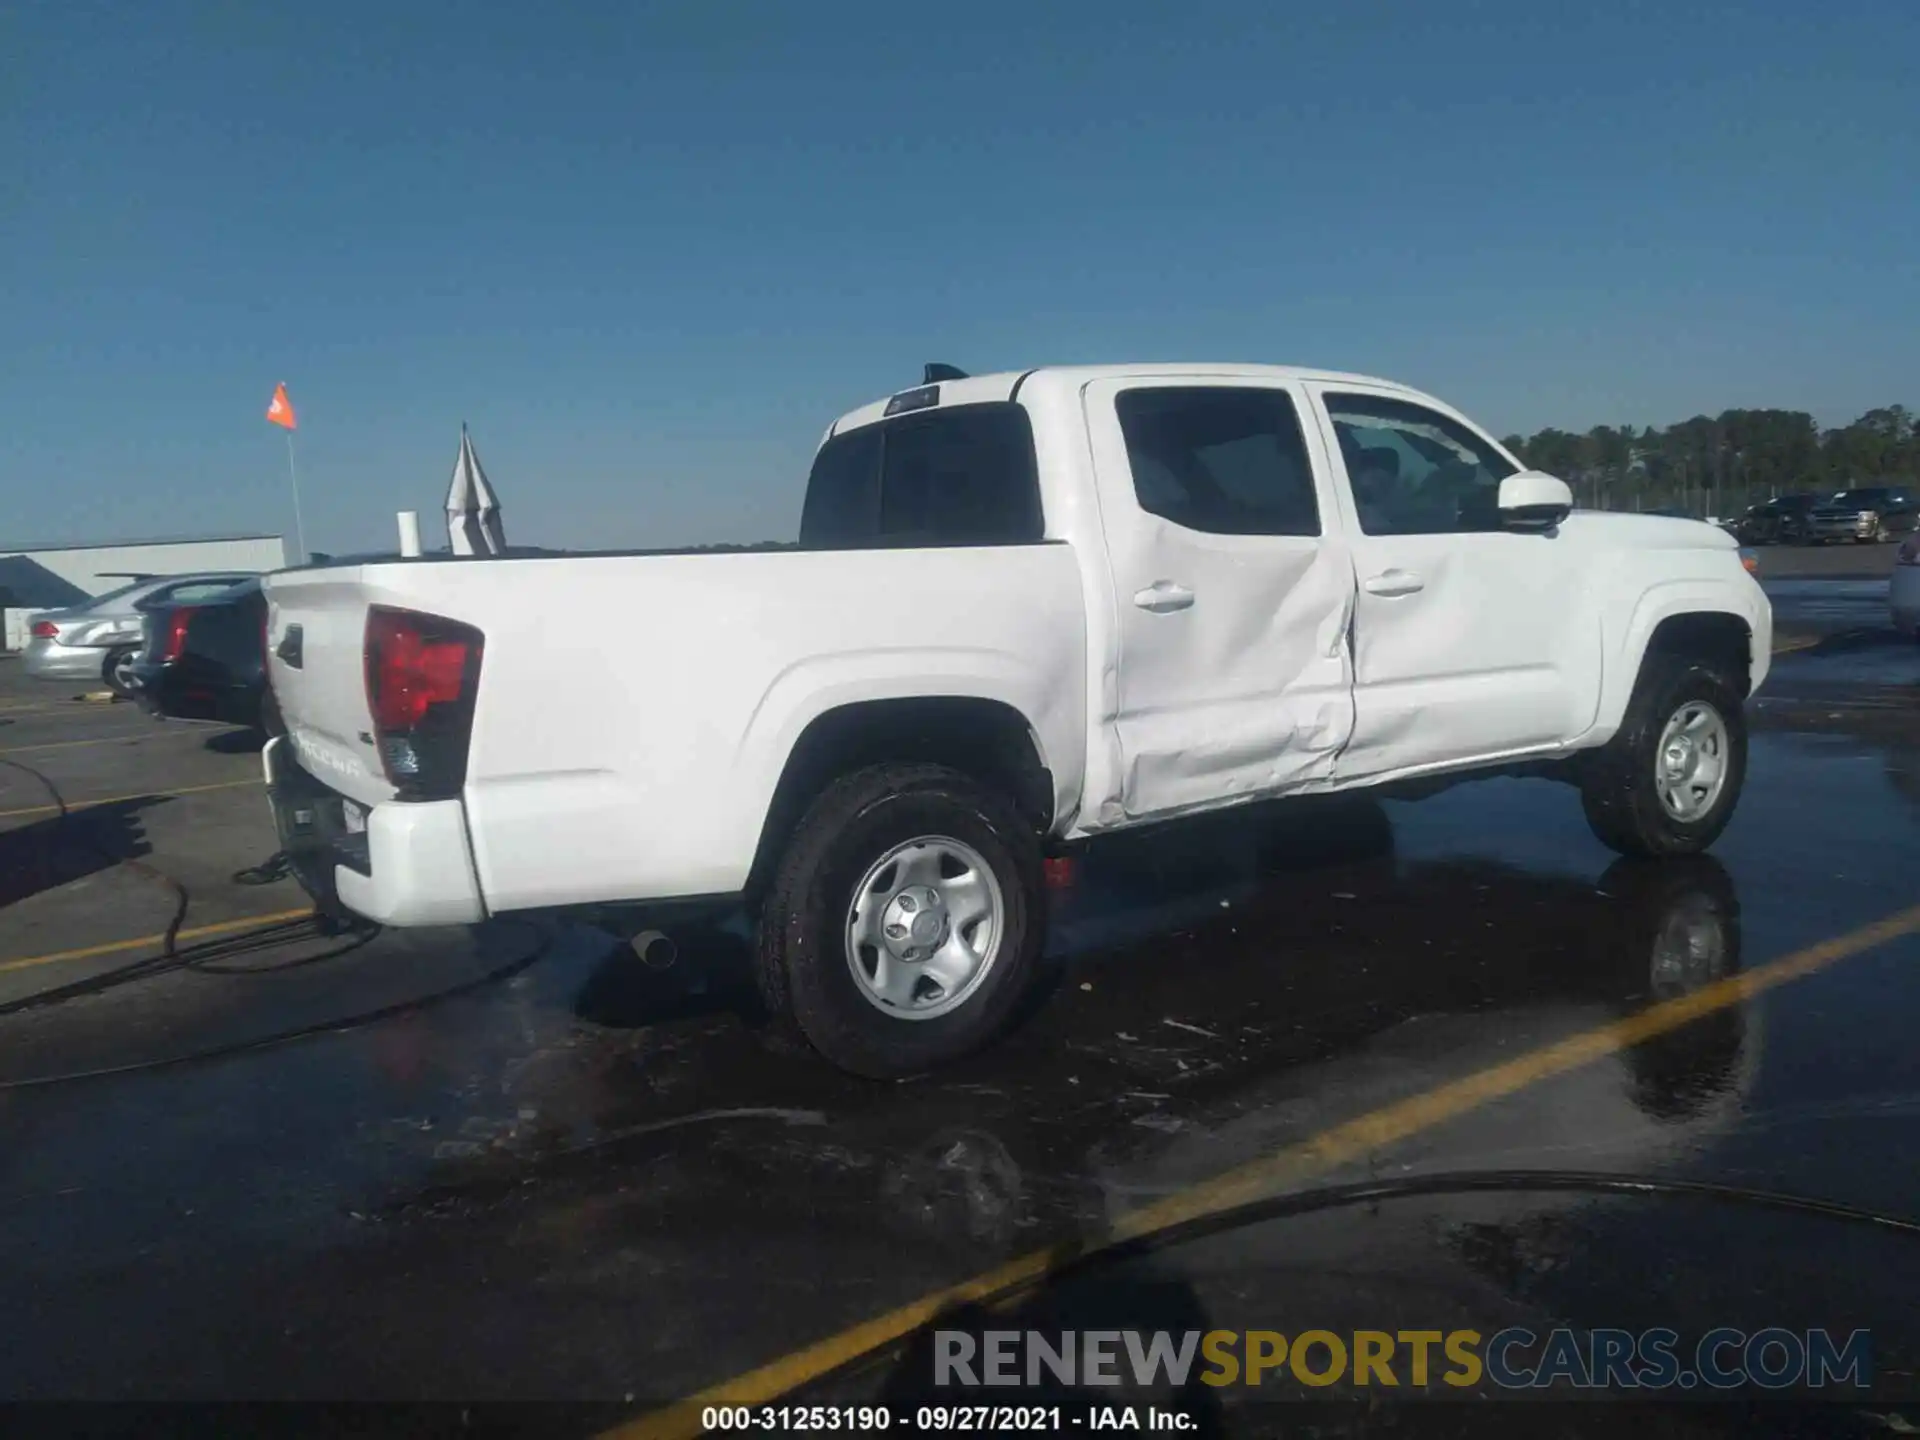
(1903, 590)
(95, 643)
(202, 659)
(1779, 521)
(1025, 610)
(1866, 515)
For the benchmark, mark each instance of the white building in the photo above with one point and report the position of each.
(48, 577)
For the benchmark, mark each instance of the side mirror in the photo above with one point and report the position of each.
(1532, 501)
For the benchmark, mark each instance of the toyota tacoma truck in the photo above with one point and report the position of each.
(1024, 609)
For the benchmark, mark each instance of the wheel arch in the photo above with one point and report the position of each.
(1715, 635)
(1680, 618)
(985, 738)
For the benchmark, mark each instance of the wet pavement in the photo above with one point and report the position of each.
(515, 1163)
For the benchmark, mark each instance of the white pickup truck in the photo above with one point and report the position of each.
(1024, 609)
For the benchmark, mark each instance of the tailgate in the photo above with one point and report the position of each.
(316, 636)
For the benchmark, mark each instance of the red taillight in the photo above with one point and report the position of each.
(422, 673)
(175, 644)
(409, 671)
(45, 630)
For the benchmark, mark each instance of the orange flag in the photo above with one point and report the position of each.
(280, 412)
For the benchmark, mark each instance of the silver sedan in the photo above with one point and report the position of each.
(98, 641)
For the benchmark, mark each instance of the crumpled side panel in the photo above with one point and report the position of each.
(1250, 690)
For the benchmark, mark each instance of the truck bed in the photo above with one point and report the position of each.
(635, 711)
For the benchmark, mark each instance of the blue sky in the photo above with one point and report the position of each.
(650, 250)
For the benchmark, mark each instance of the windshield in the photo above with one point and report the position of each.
(1858, 497)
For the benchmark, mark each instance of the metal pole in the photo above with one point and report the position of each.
(299, 527)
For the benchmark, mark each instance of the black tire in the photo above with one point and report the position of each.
(804, 974)
(1617, 788)
(112, 666)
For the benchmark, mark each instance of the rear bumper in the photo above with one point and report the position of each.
(50, 660)
(410, 865)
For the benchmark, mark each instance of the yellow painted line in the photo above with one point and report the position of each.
(1343, 1143)
(114, 947)
(135, 795)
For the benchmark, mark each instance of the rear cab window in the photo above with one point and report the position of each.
(963, 475)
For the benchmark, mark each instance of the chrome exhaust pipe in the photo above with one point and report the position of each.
(656, 949)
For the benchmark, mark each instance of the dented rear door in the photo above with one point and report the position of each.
(1232, 589)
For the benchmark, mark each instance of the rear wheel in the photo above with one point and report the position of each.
(1668, 781)
(116, 671)
(905, 921)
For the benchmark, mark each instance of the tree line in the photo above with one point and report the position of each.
(1719, 465)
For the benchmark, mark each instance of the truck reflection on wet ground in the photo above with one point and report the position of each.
(1186, 1030)
(1265, 941)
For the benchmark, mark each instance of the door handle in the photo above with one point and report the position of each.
(1395, 582)
(1163, 597)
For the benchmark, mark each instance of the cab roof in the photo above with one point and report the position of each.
(1005, 384)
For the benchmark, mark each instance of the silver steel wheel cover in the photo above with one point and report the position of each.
(1690, 762)
(122, 670)
(924, 927)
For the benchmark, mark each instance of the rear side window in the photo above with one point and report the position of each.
(843, 493)
(964, 476)
(1226, 460)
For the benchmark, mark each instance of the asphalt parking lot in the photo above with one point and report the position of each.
(247, 1161)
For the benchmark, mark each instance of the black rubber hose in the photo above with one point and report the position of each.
(166, 881)
(494, 976)
(1077, 1259)
(196, 956)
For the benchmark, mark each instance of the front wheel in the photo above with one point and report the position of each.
(1668, 781)
(905, 922)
